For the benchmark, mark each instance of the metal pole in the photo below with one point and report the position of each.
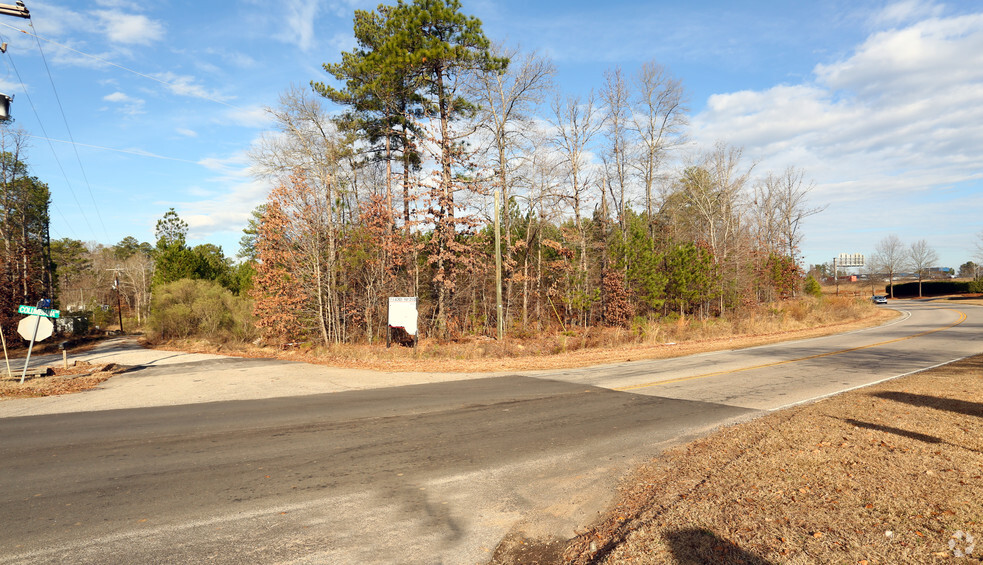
(30, 348)
(498, 266)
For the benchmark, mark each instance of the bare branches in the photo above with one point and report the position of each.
(658, 119)
(781, 206)
(891, 258)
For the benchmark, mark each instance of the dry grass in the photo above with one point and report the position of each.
(592, 346)
(887, 474)
(76, 378)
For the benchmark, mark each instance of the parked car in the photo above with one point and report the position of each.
(879, 299)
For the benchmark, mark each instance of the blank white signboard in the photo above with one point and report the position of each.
(402, 313)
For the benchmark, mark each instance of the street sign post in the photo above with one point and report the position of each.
(37, 326)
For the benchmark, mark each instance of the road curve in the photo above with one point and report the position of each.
(775, 376)
(430, 473)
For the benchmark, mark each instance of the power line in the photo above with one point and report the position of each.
(127, 151)
(70, 136)
(117, 65)
(34, 109)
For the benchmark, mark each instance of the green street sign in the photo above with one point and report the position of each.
(35, 311)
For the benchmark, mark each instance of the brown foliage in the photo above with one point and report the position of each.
(617, 309)
(278, 294)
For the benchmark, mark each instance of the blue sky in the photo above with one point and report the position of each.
(881, 103)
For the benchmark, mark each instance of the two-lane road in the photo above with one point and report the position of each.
(431, 473)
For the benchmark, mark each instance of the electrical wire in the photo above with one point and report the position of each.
(172, 85)
(70, 136)
(126, 151)
(34, 109)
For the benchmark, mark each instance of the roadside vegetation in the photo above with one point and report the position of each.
(670, 337)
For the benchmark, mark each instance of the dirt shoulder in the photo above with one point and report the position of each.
(892, 473)
(484, 355)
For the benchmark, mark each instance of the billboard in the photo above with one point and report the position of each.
(402, 313)
(850, 260)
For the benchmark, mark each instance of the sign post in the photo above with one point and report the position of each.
(36, 326)
(5, 358)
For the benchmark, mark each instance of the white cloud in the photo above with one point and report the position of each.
(235, 58)
(225, 212)
(253, 117)
(300, 16)
(119, 4)
(893, 123)
(187, 132)
(909, 97)
(906, 11)
(128, 104)
(187, 85)
(116, 97)
(9, 87)
(912, 62)
(129, 28)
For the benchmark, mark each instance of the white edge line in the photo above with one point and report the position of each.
(884, 380)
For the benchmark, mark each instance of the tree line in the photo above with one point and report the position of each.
(604, 220)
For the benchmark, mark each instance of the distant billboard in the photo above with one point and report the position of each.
(850, 260)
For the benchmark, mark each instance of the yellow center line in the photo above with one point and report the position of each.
(962, 318)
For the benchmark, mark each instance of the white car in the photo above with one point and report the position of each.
(879, 299)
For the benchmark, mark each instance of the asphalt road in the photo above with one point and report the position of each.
(428, 473)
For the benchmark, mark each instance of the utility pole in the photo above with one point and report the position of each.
(18, 10)
(119, 302)
(498, 267)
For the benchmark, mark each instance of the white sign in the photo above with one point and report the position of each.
(44, 328)
(850, 260)
(402, 313)
(34, 311)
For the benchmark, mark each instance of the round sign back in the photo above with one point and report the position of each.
(44, 328)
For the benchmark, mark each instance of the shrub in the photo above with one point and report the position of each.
(930, 288)
(812, 287)
(199, 308)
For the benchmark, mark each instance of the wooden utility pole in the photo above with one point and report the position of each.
(119, 301)
(498, 266)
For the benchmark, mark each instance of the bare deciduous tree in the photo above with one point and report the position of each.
(507, 99)
(781, 205)
(658, 118)
(890, 257)
(617, 115)
(922, 257)
(576, 125)
(714, 189)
